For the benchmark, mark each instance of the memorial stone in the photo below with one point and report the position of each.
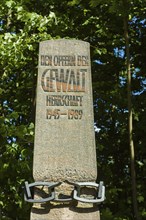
(64, 131)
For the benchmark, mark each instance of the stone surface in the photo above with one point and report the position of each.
(64, 212)
(64, 131)
(64, 134)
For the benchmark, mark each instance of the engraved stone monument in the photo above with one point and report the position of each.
(64, 150)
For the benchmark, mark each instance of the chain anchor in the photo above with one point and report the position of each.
(51, 196)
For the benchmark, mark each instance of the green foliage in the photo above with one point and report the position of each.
(23, 25)
(20, 33)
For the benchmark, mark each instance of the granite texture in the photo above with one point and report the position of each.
(64, 133)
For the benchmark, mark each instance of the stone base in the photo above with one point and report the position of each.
(65, 212)
(57, 210)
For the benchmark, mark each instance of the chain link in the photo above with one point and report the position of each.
(100, 196)
(29, 188)
(75, 195)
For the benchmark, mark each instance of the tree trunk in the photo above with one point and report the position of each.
(130, 119)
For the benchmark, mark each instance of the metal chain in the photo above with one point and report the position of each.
(76, 193)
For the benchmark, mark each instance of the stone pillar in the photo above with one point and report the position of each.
(64, 132)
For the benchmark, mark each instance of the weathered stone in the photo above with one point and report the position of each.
(64, 132)
(64, 135)
(64, 212)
